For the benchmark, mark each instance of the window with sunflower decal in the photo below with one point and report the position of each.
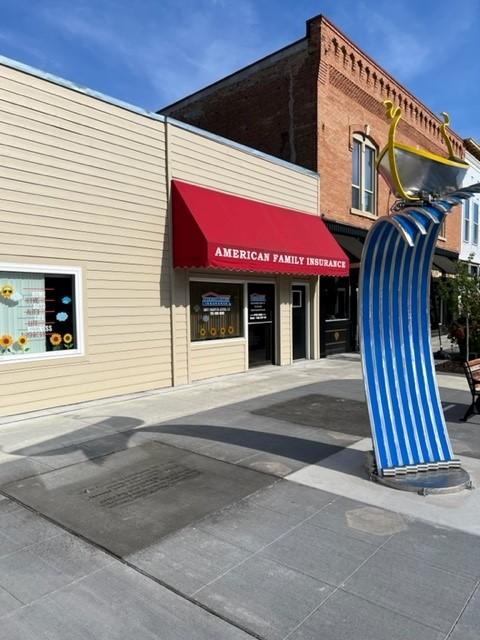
(216, 310)
(38, 312)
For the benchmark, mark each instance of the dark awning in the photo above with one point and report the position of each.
(444, 264)
(351, 245)
(222, 231)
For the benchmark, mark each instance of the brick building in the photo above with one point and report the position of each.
(319, 103)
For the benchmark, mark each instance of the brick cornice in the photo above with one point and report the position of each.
(343, 54)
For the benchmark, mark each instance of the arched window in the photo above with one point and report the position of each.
(363, 175)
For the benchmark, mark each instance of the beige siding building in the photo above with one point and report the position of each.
(91, 305)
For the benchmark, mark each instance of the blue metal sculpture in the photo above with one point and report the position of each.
(408, 426)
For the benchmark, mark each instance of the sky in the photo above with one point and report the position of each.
(152, 52)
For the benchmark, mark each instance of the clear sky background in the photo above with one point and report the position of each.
(153, 52)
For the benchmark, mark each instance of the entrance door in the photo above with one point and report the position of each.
(261, 334)
(299, 321)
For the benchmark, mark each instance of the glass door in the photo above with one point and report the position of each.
(299, 321)
(261, 334)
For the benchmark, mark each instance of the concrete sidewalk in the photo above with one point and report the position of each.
(235, 508)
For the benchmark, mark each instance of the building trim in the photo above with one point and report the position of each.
(25, 68)
(324, 20)
(345, 229)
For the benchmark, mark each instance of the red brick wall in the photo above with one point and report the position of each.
(304, 103)
(270, 106)
(351, 91)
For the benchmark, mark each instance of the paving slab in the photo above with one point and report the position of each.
(189, 559)
(327, 555)
(413, 588)
(361, 521)
(115, 603)
(467, 627)
(291, 499)
(8, 602)
(264, 597)
(438, 546)
(348, 617)
(70, 555)
(6, 505)
(329, 412)
(17, 569)
(247, 526)
(16, 468)
(465, 436)
(129, 500)
(25, 528)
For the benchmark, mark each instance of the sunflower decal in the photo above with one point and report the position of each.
(68, 340)
(202, 331)
(222, 331)
(213, 331)
(55, 339)
(230, 330)
(22, 342)
(6, 342)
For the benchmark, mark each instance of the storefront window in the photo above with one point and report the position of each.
(216, 310)
(336, 298)
(38, 314)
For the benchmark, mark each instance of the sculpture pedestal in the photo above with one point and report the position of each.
(423, 482)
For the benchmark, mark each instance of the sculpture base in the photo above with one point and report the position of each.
(423, 482)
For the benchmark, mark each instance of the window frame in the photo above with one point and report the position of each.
(442, 234)
(466, 222)
(364, 142)
(475, 223)
(76, 272)
(243, 310)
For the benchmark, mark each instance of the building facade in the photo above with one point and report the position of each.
(102, 290)
(470, 245)
(319, 103)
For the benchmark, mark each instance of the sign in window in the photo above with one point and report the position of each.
(216, 310)
(38, 313)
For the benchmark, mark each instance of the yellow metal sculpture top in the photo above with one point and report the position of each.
(416, 174)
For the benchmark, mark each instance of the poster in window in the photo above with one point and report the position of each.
(37, 313)
(216, 310)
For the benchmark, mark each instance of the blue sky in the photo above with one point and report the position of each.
(152, 52)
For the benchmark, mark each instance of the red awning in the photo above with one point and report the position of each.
(221, 231)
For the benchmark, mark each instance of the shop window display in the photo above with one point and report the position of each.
(216, 311)
(37, 313)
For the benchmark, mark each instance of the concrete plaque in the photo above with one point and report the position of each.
(139, 484)
(127, 501)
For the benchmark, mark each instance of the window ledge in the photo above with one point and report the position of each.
(363, 214)
(442, 238)
(215, 342)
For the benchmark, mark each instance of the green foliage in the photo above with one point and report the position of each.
(461, 294)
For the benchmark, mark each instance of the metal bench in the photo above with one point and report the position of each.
(472, 373)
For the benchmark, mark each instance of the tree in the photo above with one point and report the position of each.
(461, 294)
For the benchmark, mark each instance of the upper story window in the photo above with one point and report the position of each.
(475, 224)
(443, 229)
(466, 221)
(363, 175)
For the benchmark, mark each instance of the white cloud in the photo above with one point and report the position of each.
(203, 43)
(409, 43)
